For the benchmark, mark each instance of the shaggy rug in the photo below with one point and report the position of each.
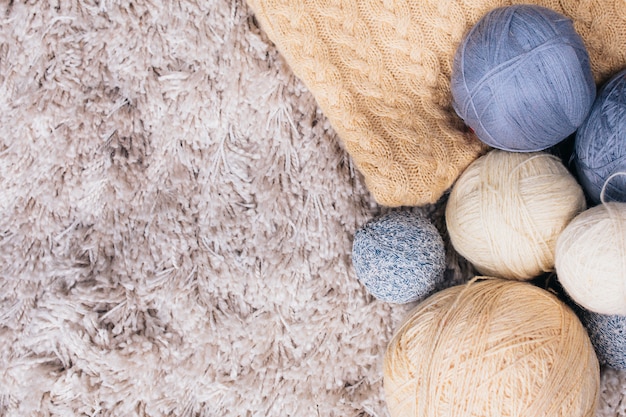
(176, 219)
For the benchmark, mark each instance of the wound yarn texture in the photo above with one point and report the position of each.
(491, 348)
(591, 259)
(600, 146)
(507, 210)
(608, 337)
(380, 72)
(522, 79)
(399, 257)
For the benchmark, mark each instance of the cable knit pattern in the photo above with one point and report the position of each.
(380, 71)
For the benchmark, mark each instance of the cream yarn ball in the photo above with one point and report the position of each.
(507, 209)
(591, 259)
(491, 348)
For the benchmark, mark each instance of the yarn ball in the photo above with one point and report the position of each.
(591, 259)
(608, 337)
(522, 79)
(507, 209)
(399, 257)
(491, 348)
(600, 145)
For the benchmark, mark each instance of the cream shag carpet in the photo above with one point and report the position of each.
(176, 219)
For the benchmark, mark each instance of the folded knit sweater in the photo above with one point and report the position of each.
(380, 71)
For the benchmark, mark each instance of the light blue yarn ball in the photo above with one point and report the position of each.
(600, 145)
(399, 257)
(522, 79)
(608, 337)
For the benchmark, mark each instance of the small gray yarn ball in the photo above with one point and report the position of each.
(399, 257)
(608, 337)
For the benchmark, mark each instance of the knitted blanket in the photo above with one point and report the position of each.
(380, 71)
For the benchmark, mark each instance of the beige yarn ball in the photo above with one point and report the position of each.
(507, 209)
(491, 348)
(591, 259)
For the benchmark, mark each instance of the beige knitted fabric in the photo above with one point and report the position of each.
(380, 71)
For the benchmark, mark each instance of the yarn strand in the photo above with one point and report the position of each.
(606, 183)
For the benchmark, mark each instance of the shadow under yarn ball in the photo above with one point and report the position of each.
(522, 78)
(399, 257)
(491, 348)
(600, 145)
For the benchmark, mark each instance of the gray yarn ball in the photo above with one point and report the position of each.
(608, 337)
(399, 257)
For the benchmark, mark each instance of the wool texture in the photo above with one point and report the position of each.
(591, 259)
(380, 72)
(507, 347)
(521, 78)
(600, 145)
(608, 337)
(399, 257)
(507, 210)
